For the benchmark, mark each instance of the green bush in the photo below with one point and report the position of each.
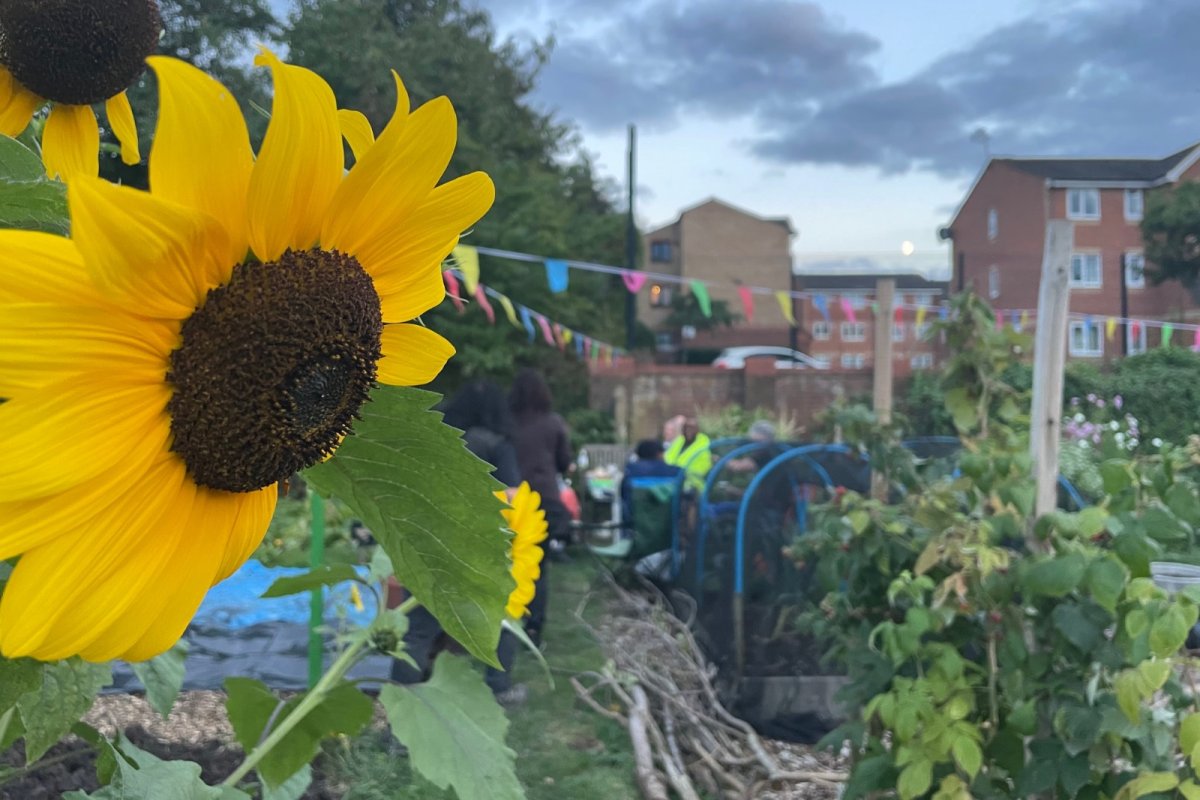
(1162, 389)
(589, 426)
(924, 407)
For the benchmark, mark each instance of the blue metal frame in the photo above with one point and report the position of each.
(677, 498)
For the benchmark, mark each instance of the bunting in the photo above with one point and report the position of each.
(700, 290)
(634, 281)
(557, 275)
(848, 310)
(822, 305)
(544, 324)
(1110, 328)
(747, 297)
(527, 321)
(508, 309)
(1024, 319)
(481, 298)
(1196, 342)
(452, 289)
(785, 305)
(1016, 322)
(467, 260)
(898, 315)
(1167, 330)
(921, 310)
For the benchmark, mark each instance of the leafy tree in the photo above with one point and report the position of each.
(685, 311)
(1171, 230)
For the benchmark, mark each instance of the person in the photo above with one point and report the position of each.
(648, 521)
(672, 428)
(762, 432)
(480, 410)
(690, 451)
(543, 447)
(648, 463)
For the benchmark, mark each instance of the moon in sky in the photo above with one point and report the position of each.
(907, 248)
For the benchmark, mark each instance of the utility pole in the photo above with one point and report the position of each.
(631, 243)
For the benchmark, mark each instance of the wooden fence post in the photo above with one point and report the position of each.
(885, 301)
(1049, 357)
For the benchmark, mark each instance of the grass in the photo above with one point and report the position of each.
(563, 749)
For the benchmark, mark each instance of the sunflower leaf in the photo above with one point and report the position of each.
(454, 731)
(163, 677)
(429, 502)
(325, 575)
(18, 162)
(17, 676)
(140, 774)
(27, 199)
(66, 692)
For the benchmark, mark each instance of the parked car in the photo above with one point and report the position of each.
(785, 358)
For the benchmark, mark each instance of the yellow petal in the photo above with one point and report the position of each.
(393, 178)
(69, 579)
(17, 104)
(299, 165)
(41, 343)
(409, 296)
(152, 256)
(412, 355)
(71, 142)
(356, 130)
(201, 156)
(255, 510)
(61, 435)
(42, 267)
(120, 119)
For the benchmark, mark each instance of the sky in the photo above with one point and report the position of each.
(857, 119)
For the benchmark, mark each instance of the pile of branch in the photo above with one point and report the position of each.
(660, 686)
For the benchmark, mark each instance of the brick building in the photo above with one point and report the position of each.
(716, 242)
(998, 233)
(849, 345)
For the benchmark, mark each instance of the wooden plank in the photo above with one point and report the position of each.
(885, 299)
(1049, 359)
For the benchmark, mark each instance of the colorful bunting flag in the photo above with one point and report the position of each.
(567, 334)
(481, 298)
(1016, 322)
(453, 289)
(944, 312)
(898, 315)
(702, 298)
(467, 260)
(921, 311)
(579, 340)
(1167, 330)
(1110, 328)
(634, 281)
(1196, 341)
(747, 297)
(785, 305)
(822, 305)
(1135, 328)
(508, 309)
(848, 310)
(1000, 320)
(544, 324)
(557, 275)
(527, 321)
(558, 336)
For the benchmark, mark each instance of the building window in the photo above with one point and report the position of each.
(993, 282)
(993, 223)
(660, 251)
(921, 332)
(1086, 340)
(898, 331)
(660, 296)
(853, 360)
(922, 361)
(1135, 270)
(854, 331)
(1134, 204)
(821, 330)
(1083, 204)
(1085, 270)
(1135, 343)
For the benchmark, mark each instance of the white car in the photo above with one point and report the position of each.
(785, 358)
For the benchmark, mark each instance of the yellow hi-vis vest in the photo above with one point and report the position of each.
(694, 458)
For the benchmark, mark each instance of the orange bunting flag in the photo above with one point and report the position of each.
(785, 305)
(481, 298)
(1110, 328)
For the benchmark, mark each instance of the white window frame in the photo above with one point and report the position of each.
(1135, 210)
(1085, 341)
(921, 361)
(823, 361)
(1077, 203)
(1134, 346)
(993, 282)
(822, 330)
(854, 360)
(993, 224)
(1084, 281)
(854, 331)
(899, 330)
(1135, 269)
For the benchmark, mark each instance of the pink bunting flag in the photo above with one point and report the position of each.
(558, 336)
(546, 334)
(452, 289)
(848, 310)
(481, 298)
(747, 297)
(999, 320)
(634, 281)
(1196, 341)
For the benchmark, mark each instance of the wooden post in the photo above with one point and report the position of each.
(1049, 357)
(885, 301)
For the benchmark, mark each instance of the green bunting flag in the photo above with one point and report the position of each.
(702, 298)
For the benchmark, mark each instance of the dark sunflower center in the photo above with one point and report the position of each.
(77, 51)
(273, 369)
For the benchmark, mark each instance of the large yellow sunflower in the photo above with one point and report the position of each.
(189, 347)
(74, 54)
(526, 519)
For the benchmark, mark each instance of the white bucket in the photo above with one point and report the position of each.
(1172, 576)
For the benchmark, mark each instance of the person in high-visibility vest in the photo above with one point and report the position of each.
(690, 451)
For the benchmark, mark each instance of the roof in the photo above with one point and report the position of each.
(785, 222)
(1100, 169)
(904, 281)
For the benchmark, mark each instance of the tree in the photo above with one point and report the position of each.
(1171, 230)
(686, 312)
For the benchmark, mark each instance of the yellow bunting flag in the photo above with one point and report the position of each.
(785, 305)
(509, 310)
(1024, 320)
(1110, 327)
(921, 311)
(567, 335)
(467, 259)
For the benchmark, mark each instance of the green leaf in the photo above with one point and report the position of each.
(142, 775)
(1189, 733)
(1115, 475)
(1153, 674)
(1023, 718)
(1105, 580)
(1148, 783)
(962, 408)
(1190, 790)
(326, 575)
(429, 502)
(915, 779)
(1127, 685)
(870, 775)
(291, 789)
(18, 163)
(163, 677)
(27, 199)
(1091, 520)
(17, 676)
(1082, 624)
(454, 731)
(859, 520)
(1054, 577)
(1078, 727)
(67, 691)
(1075, 773)
(1169, 631)
(967, 755)
(250, 704)
(1181, 499)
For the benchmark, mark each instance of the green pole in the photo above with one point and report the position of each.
(316, 557)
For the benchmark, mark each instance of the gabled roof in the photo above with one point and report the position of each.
(785, 222)
(1101, 169)
(853, 281)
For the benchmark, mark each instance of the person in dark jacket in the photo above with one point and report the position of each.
(543, 448)
(480, 410)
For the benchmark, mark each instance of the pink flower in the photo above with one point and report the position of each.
(1118, 401)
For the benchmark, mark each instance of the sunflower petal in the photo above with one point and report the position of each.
(17, 104)
(152, 256)
(356, 130)
(61, 435)
(299, 165)
(42, 267)
(412, 355)
(120, 119)
(254, 515)
(201, 157)
(71, 142)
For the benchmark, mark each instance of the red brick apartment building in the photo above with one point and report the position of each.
(999, 229)
(849, 346)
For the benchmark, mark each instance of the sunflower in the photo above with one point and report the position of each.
(74, 54)
(526, 519)
(189, 347)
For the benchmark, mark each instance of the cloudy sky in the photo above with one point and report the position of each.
(855, 117)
